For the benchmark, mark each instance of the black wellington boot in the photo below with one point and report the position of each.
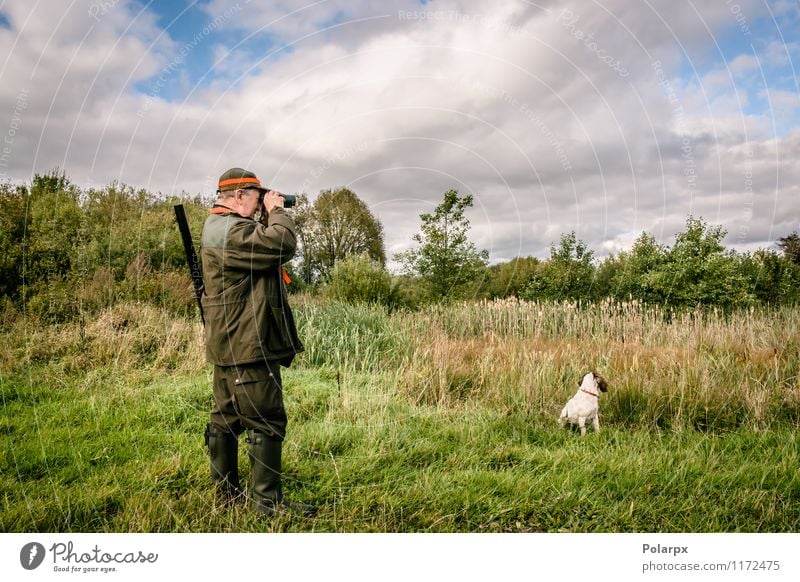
(265, 469)
(224, 451)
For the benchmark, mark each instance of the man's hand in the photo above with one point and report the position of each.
(272, 199)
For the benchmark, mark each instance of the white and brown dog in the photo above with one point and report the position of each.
(583, 407)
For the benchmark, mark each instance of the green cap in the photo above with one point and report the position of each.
(238, 178)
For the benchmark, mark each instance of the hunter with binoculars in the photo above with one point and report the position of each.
(250, 333)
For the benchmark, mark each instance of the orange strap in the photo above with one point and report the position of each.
(285, 276)
(240, 181)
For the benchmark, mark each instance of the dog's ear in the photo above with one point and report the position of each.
(602, 384)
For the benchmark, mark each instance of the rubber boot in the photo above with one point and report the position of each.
(265, 470)
(224, 452)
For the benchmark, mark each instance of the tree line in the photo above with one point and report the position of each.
(66, 252)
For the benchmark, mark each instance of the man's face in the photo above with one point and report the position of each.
(249, 202)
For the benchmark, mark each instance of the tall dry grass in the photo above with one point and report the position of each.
(705, 370)
(708, 370)
(125, 337)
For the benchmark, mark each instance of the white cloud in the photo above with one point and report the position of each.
(779, 99)
(743, 64)
(777, 53)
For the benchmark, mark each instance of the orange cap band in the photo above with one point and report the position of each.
(240, 181)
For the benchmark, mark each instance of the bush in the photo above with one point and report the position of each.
(408, 293)
(359, 279)
(52, 302)
(510, 279)
(698, 271)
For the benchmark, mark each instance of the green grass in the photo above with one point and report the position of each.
(104, 453)
(439, 421)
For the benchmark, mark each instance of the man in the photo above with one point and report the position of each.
(250, 333)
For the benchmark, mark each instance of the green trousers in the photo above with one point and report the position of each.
(249, 397)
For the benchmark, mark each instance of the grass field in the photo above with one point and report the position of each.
(437, 421)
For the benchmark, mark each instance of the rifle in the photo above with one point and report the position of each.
(191, 257)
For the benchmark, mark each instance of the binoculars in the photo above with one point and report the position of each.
(289, 200)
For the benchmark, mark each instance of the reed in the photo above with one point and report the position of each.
(707, 370)
(437, 420)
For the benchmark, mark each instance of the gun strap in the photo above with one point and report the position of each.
(191, 257)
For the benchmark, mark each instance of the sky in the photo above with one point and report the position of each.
(608, 118)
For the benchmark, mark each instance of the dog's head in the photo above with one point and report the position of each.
(600, 382)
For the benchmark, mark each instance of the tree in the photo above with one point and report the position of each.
(569, 273)
(772, 279)
(12, 238)
(632, 277)
(114, 220)
(53, 223)
(605, 275)
(699, 271)
(509, 279)
(446, 260)
(790, 245)
(302, 261)
(338, 224)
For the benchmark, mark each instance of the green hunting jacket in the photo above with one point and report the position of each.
(245, 304)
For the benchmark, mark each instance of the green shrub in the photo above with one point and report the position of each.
(359, 279)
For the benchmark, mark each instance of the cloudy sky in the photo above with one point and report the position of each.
(607, 117)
